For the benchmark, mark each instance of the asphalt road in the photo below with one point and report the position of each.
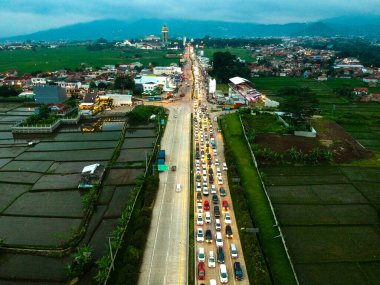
(165, 256)
(213, 273)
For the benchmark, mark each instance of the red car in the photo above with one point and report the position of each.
(206, 206)
(225, 205)
(201, 270)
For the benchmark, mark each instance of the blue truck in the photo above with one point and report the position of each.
(161, 154)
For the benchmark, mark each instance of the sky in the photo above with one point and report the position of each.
(18, 17)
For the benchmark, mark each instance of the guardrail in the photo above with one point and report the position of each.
(48, 128)
(269, 201)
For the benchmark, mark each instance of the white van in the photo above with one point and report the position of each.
(225, 166)
(219, 239)
(212, 282)
(178, 188)
(223, 275)
(234, 252)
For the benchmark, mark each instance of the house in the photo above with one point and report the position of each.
(49, 94)
(38, 81)
(91, 175)
(360, 91)
(151, 81)
(242, 91)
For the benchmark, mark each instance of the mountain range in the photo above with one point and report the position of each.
(112, 29)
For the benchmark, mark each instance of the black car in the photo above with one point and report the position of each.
(208, 156)
(216, 211)
(228, 231)
(208, 236)
(209, 162)
(211, 180)
(238, 271)
(222, 191)
(220, 254)
(207, 145)
(210, 171)
(202, 151)
(199, 196)
(215, 199)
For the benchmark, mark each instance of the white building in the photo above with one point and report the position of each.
(38, 81)
(168, 70)
(120, 99)
(151, 81)
(211, 86)
(69, 85)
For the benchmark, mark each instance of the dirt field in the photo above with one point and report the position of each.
(330, 136)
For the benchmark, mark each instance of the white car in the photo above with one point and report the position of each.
(223, 275)
(213, 189)
(178, 188)
(208, 217)
(199, 187)
(216, 162)
(201, 254)
(219, 239)
(205, 191)
(220, 180)
(227, 218)
(199, 220)
(199, 208)
(225, 166)
(200, 236)
(215, 153)
(211, 259)
(218, 225)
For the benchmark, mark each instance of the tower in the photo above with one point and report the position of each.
(165, 34)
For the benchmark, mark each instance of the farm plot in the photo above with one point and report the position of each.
(329, 216)
(57, 182)
(101, 136)
(19, 177)
(70, 167)
(70, 155)
(41, 231)
(118, 202)
(33, 166)
(55, 204)
(129, 155)
(41, 269)
(9, 193)
(123, 176)
(138, 143)
(11, 152)
(140, 133)
(100, 237)
(56, 146)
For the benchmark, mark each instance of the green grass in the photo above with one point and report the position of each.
(44, 59)
(265, 123)
(239, 52)
(260, 211)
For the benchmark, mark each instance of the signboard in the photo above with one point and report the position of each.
(162, 122)
(162, 167)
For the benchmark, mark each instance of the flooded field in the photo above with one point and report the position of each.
(39, 190)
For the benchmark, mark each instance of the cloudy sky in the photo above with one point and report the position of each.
(26, 16)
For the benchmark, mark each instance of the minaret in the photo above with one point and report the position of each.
(165, 34)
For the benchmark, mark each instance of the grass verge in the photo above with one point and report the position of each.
(240, 162)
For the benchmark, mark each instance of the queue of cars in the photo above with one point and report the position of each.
(212, 209)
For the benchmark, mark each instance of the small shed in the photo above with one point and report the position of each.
(91, 175)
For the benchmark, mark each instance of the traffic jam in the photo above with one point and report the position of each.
(217, 255)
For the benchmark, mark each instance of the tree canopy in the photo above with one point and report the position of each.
(300, 102)
(226, 66)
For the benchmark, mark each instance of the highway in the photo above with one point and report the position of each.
(165, 256)
(213, 273)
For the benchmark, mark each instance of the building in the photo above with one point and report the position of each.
(165, 34)
(151, 81)
(49, 94)
(91, 175)
(167, 70)
(120, 99)
(38, 81)
(241, 91)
